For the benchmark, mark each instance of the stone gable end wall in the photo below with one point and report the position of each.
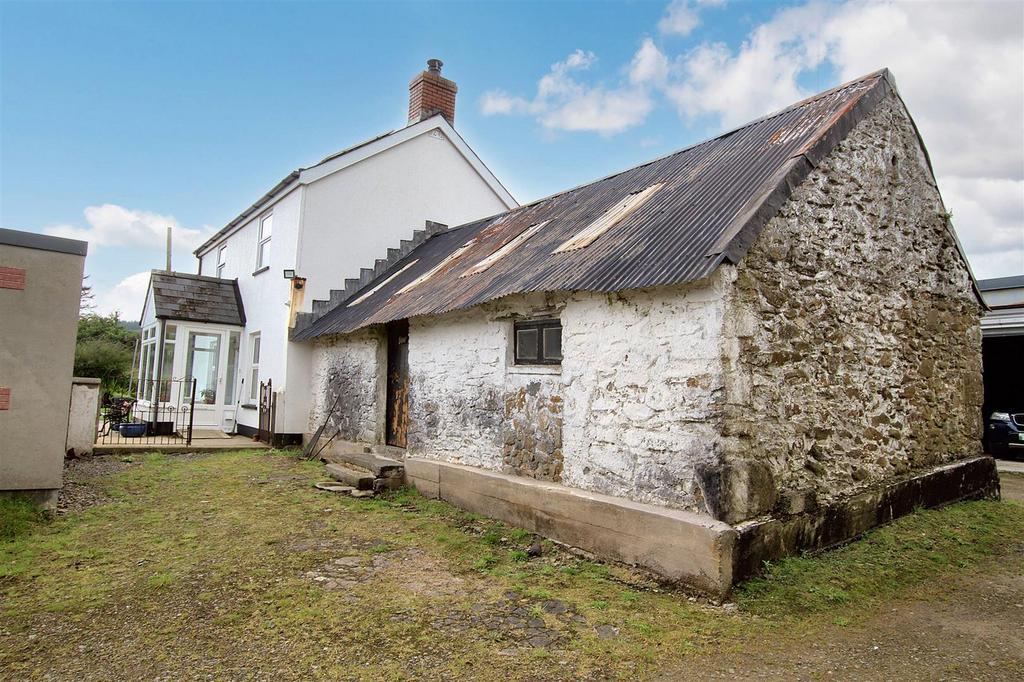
(853, 345)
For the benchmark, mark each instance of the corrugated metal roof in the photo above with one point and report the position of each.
(194, 298)
(997, 283)
(715, 198)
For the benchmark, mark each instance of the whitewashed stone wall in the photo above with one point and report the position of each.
(633, 410)
(643, 391)
(842, 350)
(456, 374)
(349, 367)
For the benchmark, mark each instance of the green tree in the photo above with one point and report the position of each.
(104, 350)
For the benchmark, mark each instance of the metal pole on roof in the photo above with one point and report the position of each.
(168, 248)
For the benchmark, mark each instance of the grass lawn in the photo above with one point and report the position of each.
(232, 565)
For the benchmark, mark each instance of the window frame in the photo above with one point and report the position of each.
(222, 252)
(255, 350)
(263, 242)
(540, 325)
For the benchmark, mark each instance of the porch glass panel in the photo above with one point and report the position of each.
(203, 364)
(229, 389)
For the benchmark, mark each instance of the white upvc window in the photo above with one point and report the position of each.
(263, 246)
(222, 257)
(254, 366)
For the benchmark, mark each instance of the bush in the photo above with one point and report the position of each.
(106, 360)
(105, 349)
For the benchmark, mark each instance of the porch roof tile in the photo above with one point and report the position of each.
(195, 298)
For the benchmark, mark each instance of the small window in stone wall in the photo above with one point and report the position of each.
(538, 342)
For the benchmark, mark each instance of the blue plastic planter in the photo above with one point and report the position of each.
(136, 430)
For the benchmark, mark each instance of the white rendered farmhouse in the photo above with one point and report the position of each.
(297, 243)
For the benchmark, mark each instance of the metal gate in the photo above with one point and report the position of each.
(268, 412)
(161, 413)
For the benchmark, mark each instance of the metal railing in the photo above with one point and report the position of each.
(161, 414)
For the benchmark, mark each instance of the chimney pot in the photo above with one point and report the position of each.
(431, 93)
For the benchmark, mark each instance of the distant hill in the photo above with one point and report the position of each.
(130, 325)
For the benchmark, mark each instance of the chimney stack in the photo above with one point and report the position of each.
(430, 93)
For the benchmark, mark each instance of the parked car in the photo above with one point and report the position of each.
(1005, 434)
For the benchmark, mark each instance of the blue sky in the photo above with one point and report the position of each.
(115, 118)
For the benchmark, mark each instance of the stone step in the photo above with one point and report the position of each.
(388, 451)
(358, 458)
(333, 487)
(360, 480)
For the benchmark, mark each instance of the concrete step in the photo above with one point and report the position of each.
(360, 480)
(388, 451)
(332, 487)
(378, 465)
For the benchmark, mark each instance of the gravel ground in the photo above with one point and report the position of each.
(972, 629)
(1012, 486)
(77, 494)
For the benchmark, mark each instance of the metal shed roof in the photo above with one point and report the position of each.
(194, 298)
(714, 199)
(997, 283)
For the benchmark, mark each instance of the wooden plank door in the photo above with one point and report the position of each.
(397, 411)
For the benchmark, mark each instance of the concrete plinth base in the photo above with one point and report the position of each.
(771, 538)
(679, 545)
(46, 498)
(690, 548)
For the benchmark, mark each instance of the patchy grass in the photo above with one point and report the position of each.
(914, 550)
(232, 565)
(18, 516)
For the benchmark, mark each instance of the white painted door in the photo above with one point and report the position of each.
(203, 363)
(211, 358)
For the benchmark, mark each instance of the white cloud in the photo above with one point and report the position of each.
(682, 16)
(649, 65)
(113, 225)
(499, 102)
(143, 235)
(562, 102)
(126, 297)
(959, 67)
(988, 214)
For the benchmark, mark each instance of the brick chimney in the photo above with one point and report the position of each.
(430, 93)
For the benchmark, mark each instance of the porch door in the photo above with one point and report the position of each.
(397, 410)
(203, 363)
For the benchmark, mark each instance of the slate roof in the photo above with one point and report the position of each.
(195, 298)
(714, 199)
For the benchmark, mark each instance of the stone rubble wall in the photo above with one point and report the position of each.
(852, 338)
(633, 411)
(643, 391)
(347, 366)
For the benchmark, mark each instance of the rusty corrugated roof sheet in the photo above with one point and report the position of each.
(715, 198)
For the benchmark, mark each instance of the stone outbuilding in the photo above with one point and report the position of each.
(764, 342)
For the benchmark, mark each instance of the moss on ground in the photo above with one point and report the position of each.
(18, 515)
(233, 565)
